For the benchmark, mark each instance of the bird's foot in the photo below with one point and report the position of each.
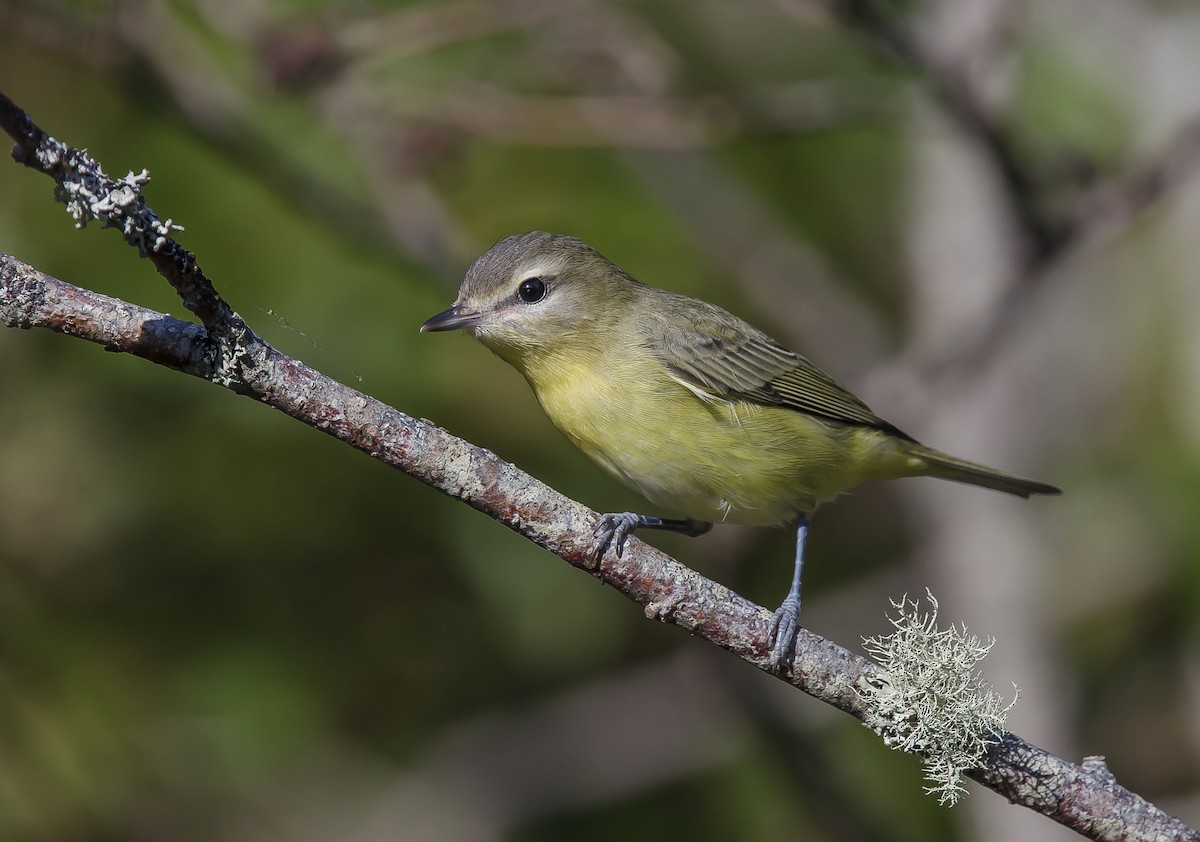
(613, 530)
(782, 632)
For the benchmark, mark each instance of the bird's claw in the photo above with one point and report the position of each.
(782, 632)
(613, 530)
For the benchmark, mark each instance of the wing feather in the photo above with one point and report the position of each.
(726, 357)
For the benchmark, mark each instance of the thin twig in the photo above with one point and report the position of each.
(90, 194)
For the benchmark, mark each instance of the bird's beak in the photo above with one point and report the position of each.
(451, 319)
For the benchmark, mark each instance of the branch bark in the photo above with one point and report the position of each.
(225, 351)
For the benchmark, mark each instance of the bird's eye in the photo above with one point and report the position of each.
(532, 290)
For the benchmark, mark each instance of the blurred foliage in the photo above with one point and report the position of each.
(217, 624)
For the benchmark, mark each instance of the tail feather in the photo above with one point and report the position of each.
(944, 466)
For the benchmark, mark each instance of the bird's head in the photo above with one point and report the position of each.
(535, 293)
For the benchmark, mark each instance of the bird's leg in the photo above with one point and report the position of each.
(782, 632)
(615, 527)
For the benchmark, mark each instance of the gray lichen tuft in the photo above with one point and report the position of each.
(90, 194)
(931, 701)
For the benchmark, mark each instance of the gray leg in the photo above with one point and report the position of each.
(782, 633)
(615, 527)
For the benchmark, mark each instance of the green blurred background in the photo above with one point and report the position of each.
(217, 624)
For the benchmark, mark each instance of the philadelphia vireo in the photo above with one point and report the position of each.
(700, 412)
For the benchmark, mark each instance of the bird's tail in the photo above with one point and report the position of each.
(945, 466)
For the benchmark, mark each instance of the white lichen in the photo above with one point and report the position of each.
(931, 700)
(90, 194)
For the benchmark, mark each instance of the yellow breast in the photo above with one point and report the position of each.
(706, 458)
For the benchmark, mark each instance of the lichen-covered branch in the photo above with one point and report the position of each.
(224, 351)
(933, 702)
(669, 591)
(90, 194)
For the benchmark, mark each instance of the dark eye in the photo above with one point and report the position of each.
(532, 290)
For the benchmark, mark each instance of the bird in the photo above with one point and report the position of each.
(691, 406)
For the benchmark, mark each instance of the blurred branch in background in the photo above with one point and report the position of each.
(964, 79)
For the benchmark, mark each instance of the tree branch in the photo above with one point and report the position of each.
(224, 351)
(670, 591)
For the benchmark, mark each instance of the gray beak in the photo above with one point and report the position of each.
(454, 318)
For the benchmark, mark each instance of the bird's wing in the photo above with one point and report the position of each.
(731, 360)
